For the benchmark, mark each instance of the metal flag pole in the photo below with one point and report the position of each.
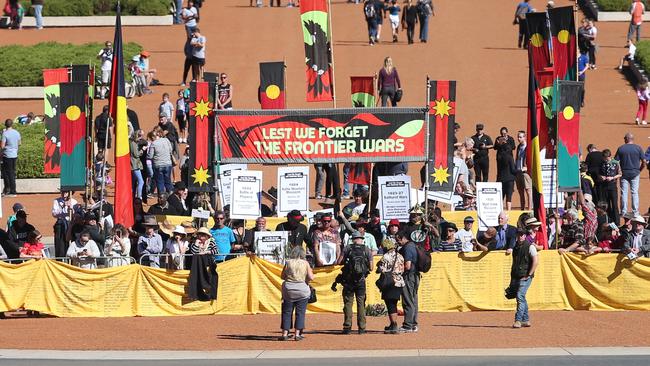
(217, 166)
(284, 80)
(331, 43)
(426, 149)
(103, 172)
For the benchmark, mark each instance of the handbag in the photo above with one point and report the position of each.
(312, 295)
(398, 95)
(386, 280)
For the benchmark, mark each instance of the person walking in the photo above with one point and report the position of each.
(637, 9)
(632, 160)
(38, 12)
(409, 19)
(643, 95)
(425, 10)
(391, 267)
(393, 16)
(370, 14)
(411, 282)
(295, 293)
(524, 264)
(389, 83)
(522, 9)
(482, 147)
(357, 263)
(10, 143)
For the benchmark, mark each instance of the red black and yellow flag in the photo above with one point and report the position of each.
(72, 125)
(123, 181)
(442, 116)
(272, 95)
(563, 31)
(201, 125)
(534, 158)
(538, 40)
(360, 173)
(318, 50)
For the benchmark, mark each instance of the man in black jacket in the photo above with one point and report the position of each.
(506, 236)
(178, 200)
(524, 264)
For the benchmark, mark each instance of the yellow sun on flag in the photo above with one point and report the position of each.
(440, 175)
(442, 108)
(201, 176)
(201, 109)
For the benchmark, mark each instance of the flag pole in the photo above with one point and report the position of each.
(426, 149)
(331, 42)
(284, 80)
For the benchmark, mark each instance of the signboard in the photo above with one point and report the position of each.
(552, 199)
(489, 201)
(224, 181)
(394, 197)
(327, 253)
(270, 245)
(293, 189)
(246, 198)
(321, 135)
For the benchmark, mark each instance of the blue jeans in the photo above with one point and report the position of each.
(163, 176)
(38, 14)
(372, 29)
(288, 308)
(424, 27)
(634, 28)
(138, 182)
(179, 9)
(625, 186)
(522, 305)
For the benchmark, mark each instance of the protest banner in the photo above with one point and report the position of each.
(489, 198)
(321, 135)
(270, 245)
(444, 196)
(225, 180)
(293, 189)
(246, 198)
(394, 197)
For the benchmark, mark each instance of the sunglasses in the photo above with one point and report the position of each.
(219, 218)
(224, 77)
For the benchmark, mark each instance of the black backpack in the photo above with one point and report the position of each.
(424, 259)
(369, 10)
(356, 265)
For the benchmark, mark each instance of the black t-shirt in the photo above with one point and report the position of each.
(594, 160)
(19, 234)
(296, 235)
(482, 152)
(133, 118)
(102, 123)
(172, 135)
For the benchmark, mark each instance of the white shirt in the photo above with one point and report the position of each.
(106, 56)
(85, 262)
(631, 51)
(190, 12)
(466, 238)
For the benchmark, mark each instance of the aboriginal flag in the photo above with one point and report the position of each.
(51, 80)
(272, 94)
(533, 155)
(360, 173)
(538, 40)
(568, 135)
(201, 125)
(442, 116)
(318, 51)
(363, 91)
(563, 31)
(123, 181)
(74, 98)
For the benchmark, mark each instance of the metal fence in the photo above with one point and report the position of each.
(102, 262)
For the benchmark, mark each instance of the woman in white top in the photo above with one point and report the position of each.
(118, 247)
(295, 293)
(177, 246)
(84, 251)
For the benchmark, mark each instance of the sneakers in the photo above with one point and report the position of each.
(299, 337)
(517, 324)
(391, 329)
(644, 123)
(526, 324)
(318, 197)
(637, 121)
(404, 329)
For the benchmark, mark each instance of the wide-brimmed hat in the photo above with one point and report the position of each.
(167, 227)
(639, 220)
(203, 230)
(417, 209)
(628, 215)
(571, 212)
(469, 194)
(188, 227)
(135, 58)
(357, 235)
(179, 229)
(532, 222)
(150, 220)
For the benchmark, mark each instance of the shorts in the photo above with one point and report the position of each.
(394, 21)
(198, 61)
(524, 181)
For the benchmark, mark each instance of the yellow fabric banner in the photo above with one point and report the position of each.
(456, 282)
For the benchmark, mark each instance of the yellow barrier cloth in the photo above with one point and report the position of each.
(456, 282)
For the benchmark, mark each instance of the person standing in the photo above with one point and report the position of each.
(524, 264)
(190, 16)
(357, 263)
(222, 234)
(389, 83)
(106, 58)
(411, 283)
(523, 180)
(632, 160)
(295, 293)
(482, 146)
(178, 19)
(583, 66)
(522, 9)
(62, 210)
(643, 95)
(637, 9)
(610, 172)
(224, 90)
(409, 18)
(38, 12)
(198, 54)
(391, 264)
(102, 132)
(506, 171)
(160, 152)
(592, 33)
(11, 140)
(425, 10)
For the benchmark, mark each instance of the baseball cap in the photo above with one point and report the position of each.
(468, 219)
(17, 207)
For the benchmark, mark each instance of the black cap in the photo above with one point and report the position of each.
(480, 126)
(90, 216)
(469, 219)
(180, 186)
(17, 207)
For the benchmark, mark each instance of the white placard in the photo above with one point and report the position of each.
(394, 197)
(270, 245)
(552, 198)
(327, 253)
(489, 198)
(200, 214)
(246, 198)
(293, 189)
(225, 180)
(445, 197)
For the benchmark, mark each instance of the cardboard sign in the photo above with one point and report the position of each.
(270, 245)
(394, 197)
(293, 189)
(225, 179)
(246, 198)
(489, 198)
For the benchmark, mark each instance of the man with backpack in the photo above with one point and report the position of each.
(357, 263)
(370, 13)
(522, 9)
(416, 260)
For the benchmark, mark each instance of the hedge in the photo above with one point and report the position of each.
(100, 7)
(30, 154)
(642, 55)
(23, 65)
(615, 5)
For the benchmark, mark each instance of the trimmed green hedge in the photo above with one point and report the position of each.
(642, 54)
(616, 5)
(23, 65)
(30, 154)
(101, 7)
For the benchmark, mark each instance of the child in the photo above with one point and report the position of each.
(166, 107)
(33, 248)
(643, 93)
(181, 117)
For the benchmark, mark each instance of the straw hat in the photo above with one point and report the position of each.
(532, 222)
(167, 227)
(639, 220)
(150, 220)
(188, 227)
(203, 230)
